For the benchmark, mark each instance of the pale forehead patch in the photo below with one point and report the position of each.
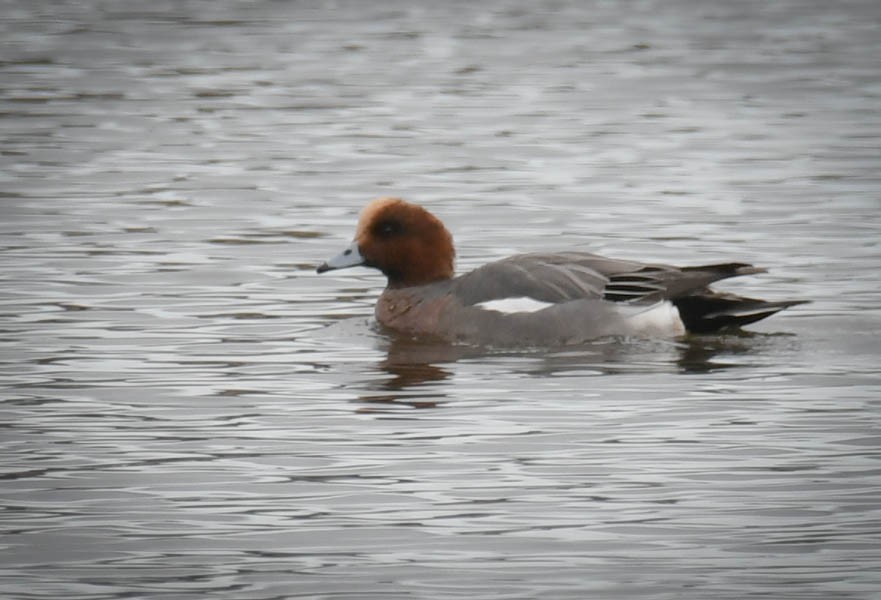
(374, 208)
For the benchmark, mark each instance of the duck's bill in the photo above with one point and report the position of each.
(350, 257)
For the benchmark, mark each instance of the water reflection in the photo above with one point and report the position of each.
(412, 367)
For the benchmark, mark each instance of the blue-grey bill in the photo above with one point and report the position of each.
(350, 257)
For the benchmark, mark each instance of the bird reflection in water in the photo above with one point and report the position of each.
(414, 368)
(412, 365)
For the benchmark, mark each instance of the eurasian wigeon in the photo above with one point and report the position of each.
(540, 299)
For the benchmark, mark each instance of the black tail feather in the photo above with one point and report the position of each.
(709, 311)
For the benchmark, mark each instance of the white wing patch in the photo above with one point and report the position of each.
(661, 319)
(522, 304)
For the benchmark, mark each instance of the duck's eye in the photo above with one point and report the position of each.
(388, 228)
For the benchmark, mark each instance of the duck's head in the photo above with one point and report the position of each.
(406, 242)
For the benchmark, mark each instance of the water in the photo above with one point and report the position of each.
(189, 411)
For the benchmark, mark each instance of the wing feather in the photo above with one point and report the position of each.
(566, 276)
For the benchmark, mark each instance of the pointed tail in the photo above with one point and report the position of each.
(708, 311)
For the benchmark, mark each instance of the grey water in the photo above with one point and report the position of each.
(189, 411)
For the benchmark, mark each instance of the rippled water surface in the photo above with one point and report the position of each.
(189, 411)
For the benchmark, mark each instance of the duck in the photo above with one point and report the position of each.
(535, 299)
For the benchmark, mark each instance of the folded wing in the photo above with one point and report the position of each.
(568, 276)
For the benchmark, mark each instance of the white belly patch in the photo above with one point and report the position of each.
(660, 319)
